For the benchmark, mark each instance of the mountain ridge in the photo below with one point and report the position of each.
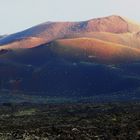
(58, 30)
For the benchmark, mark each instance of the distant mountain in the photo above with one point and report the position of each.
(98, 56)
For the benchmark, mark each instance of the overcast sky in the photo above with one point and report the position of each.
(17, 15)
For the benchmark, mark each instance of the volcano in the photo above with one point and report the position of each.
(87, 58)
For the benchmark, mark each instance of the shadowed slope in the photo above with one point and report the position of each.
(68, 68)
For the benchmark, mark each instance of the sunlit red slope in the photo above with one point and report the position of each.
(29, 42)
(95, 50)
(51, 31)
(128, 39)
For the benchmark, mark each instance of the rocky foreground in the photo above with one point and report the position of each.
(70, 121)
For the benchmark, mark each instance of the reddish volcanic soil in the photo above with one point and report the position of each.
(110, 38)
(95, 49)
